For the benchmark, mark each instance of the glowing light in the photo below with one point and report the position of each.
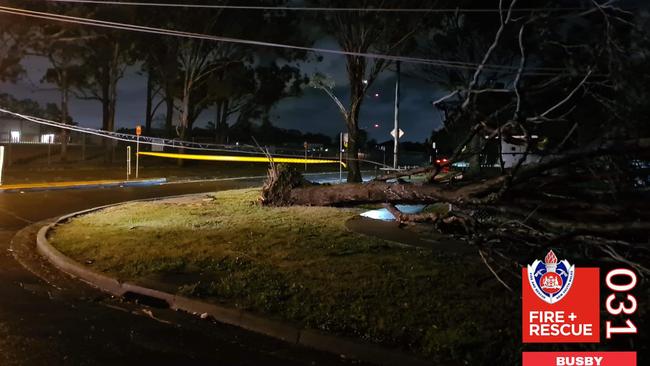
(15, 136)
(246, 159)
(47, 138)
(385, 215)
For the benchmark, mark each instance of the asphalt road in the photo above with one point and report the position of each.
(51, 319)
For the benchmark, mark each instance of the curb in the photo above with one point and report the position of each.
(232, 316)
(81, 185)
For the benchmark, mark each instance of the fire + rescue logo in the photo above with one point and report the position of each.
(551, 280)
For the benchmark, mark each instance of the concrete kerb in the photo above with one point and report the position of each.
(57, 186)
(236, 317)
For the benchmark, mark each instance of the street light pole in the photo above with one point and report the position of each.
(396, 140)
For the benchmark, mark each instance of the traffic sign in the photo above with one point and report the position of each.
(401, 133)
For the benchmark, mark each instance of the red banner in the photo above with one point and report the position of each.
(579, 359)
(574, 318)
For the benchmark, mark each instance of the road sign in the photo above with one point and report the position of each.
(138, 130)
(401, 133)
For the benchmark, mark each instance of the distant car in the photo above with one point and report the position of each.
(442, 163)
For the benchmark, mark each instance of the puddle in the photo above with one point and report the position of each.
(384, 215)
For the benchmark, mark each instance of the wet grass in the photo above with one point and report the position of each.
(300, 264)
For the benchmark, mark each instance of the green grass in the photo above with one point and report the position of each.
(300, 264)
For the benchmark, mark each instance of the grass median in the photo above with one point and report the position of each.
(300, 264)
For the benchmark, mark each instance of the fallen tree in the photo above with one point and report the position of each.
(286, 187)
(530, 206)
(579, 191)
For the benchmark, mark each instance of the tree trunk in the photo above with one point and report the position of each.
(475, 159)
(169, 77)
(217, 121)
(479, 192)
(221, 121)
(64, 115)
(112, 101)
(181, 150)
(378, 192)
(149, 105)
(185, 122)
(110, 76)
(354, 168)
(106, 119)
(169, 116)
(356, 73)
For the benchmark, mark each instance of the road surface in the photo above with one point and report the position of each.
(63, 322)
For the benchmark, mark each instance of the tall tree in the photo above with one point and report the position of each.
(199, 60)
(64, 74)
(159, 62)
(105, 57)
(62, 45)
(364, 32)
(13, 36)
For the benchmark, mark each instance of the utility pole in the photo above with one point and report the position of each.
(2, 161)
(396, 141)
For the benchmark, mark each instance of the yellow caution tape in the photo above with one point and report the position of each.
(247, 159)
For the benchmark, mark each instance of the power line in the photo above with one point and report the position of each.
(175, 33)
(156, 141)
(124, 137)
(315, 9)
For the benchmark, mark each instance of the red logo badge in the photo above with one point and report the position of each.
(560, 302)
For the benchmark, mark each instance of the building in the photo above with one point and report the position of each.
(19, 131)
(511, 153)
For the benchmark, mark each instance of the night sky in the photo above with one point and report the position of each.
(314, 111)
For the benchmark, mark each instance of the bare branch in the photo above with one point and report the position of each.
(480, 252)
(566, 99)
(491, 49)
(522, 63)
